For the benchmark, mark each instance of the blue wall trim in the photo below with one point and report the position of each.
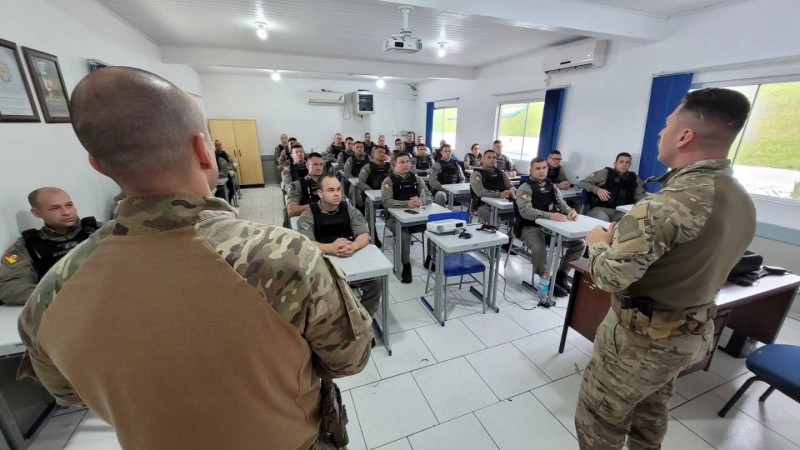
(429, 124)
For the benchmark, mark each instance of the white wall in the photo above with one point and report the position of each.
(282, 107)
(606, 108)
(39, 154)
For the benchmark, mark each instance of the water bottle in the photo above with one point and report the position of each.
(425, 200)
(544, 286)
(577, 184)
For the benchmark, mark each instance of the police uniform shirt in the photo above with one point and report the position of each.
(476, 184)
(436, 184)
(504, 163)
(366, 173)
(305, 224)
(351, 162)
(596, 180)
(387, 191)
(526, 207)
(296, 194)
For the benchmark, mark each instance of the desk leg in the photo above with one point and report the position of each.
(494, 217)
(370, 218)
(385, 313)
(450, 200)
(9, 427)
(441, 285)
(555, 261)
(576, 282)
(398, 264)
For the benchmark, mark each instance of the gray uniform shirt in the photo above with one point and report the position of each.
(387, 192)
(286, 176)
(526, 208)
(348, 166)
(597, 179)
(295, 193)
(437, 170)
(363, 176)
(504, 163)
(305, 224)
(343, 157)
(476, 183)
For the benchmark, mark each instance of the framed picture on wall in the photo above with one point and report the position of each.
(16, 101)
(49, 85)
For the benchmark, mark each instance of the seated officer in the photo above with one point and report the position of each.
(610, 188)
(33, 254)
(286, 154)
(403, 189)
(555, 171)
(336, 147)
(503, 162)
(445, 171)
(296, 169)
(409, 145)
(489, 181)
(281, 148)
(339, 229)
(353, 166)
(540, 198)
(368, 144)
(473, 158)
(349, 150)
(304, 191)
(224, 160)
(422, 163)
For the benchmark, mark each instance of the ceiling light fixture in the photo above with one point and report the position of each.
(261, 30)
(442, 51)
(275, 76)
(380, 83)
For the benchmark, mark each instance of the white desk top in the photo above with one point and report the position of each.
(409, 219)
(570, 193)
(293, 221)
(457, 188)
(374, 195)
(369, 262)
(625, 208)
(572, 229)
(10, 342)
(451, 243)
(499, 203)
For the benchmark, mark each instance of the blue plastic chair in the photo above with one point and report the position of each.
(456, 265)
(776, 365)
(584, 201)
(523, 178)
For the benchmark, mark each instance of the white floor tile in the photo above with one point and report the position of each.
(401, 292)
(408, 353)
(726, 366)
(506, 370)
(677, 400)
(736, 431)
(407, 315)
(697, 383)
(514, 290)
(778, 412)
(788, 335)
(461, 302)
(449, 341)
(561, 399)
(453, 388)
(494, 329)
(353, 425)
(401, 444)
(57, 431)
(679, 437)
(391, 410)
(368, 375)
(576, 339)
(523, 423)
(93, 434)
(535, 320)
(464, 433)
(542, 349)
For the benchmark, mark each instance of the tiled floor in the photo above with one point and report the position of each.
(494, 381)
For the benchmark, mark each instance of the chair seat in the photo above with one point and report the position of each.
(778, 365)
(461, 264)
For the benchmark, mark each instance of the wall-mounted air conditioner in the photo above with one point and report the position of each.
(361, 102)
(325, 98)
(589, 54)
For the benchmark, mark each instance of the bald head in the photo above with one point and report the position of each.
(134, 123)
(33, 197)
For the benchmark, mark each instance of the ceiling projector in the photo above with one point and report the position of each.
(403, 42)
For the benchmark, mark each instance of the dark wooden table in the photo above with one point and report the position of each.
(755, 312)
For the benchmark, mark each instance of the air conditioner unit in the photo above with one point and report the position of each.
(361, 102)
(325, 98)
(589, 54)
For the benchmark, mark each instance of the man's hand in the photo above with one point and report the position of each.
(604, 194)
(600, 234)
(414, 202)
(341, 248)
(508, 194)
(512, 173)
(564, 185)
(573, 215)
(558, 217)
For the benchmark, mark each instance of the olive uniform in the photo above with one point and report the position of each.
(486, 182)
(444, 172)
(625, 189)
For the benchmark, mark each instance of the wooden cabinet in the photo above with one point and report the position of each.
(240, 139)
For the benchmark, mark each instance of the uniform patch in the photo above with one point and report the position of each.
(12, 258)
(304, 225)
(386, 185)
(628, 228)
(524, 196)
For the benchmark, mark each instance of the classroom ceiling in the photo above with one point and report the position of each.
(661, 8)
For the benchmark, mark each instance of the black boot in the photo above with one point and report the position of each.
(406, 276)
(378, 242)
(562, 280)
(427, 262)
(559, 291)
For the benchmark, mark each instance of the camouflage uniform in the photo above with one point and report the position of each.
(371, 289)
(673, 251)
(594, 182)
(18, 276)
(177, 307)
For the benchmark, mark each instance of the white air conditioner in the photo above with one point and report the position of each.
(589, 54)
(325, 98)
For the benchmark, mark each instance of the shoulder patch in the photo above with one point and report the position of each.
(386, 185)
(12, 258)
(524, 196)
(628, 228)
(593, 174)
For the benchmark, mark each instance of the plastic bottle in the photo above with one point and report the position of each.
(577, 184)
(544, 286)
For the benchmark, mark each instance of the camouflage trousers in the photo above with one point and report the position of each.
(628, 384)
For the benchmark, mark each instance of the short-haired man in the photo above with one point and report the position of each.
(609, 188)
(399, 146)
(339, 229)
(489, 181)
(368, 144)
(336, 147)
(445, 171)
(296, 169)
(555, 171)
(403, 189)
(304, 191)
(176, 304)
(349, 150)
(421, 163)
(664, 263)
(286, 154)
(381, 141)
(503, 162)
(36, 251)
(224, 160)
(539, 198)
(353, 166)
(373, 173)
(282, 147)
(410, 146)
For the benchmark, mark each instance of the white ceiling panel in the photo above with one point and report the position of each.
(661, 8)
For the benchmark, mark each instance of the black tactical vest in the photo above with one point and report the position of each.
(404, 189)
(424, 163)
(298, 171)
(329, 227)
(46, 253)
(308, 188)
(335, 150)
(472, 160)
(492, 179)
(377, 173)
(552, 173)
(449, 173)
(543, 198)
(621, 186)
(358, 164)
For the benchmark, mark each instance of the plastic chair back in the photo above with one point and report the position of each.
(457, 215)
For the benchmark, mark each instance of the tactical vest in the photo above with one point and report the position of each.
(410, 146)
(473, 160)
(45, 253)
(404, 189)
(424, 163)
(552, 173)
(329, 227)
(621, 186)
(334, 150)
(368, 147)
(377, 173)
(449, 173)
(492, 180)
(358, 164)
(308, 189)
(543, 198)
(298, 171)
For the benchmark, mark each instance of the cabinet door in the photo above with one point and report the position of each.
(222, 130)
(249, 152)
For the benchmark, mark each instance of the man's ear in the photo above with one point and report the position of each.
(35, 213)
(202, 152)
(687, 136)
(96, 166)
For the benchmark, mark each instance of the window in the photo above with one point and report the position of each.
(518, 126)
(445, 121)
(766, 154)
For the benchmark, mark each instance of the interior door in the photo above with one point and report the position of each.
(223, 131)
(249, 152)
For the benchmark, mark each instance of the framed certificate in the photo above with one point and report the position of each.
(49, 85)
(16, 101)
